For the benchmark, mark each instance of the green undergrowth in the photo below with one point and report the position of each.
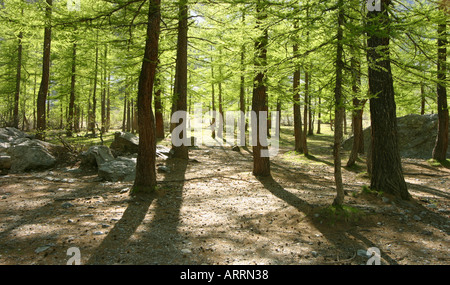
(333, 215)
(436, 163)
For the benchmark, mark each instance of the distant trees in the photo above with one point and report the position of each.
(259, 56)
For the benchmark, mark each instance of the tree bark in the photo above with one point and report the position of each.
(298, 132)
(18, 81)
(180, 88)
(261, 164)
(158, 110)
(70, 119)
(386, 166)
(94, 93)
(440, 149)
(339, 110)
(242, 135)
(108, 104)
(104, 87)
(358, 109)
(305, 115)
(213, 104)
(41, 121)
(145, 180)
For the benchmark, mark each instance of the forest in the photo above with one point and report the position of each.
(228, 132)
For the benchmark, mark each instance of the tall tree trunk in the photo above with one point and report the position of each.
(298, 132)
(319, 116)
(124, 117)
(261, 163)
(145, 180)
(213, 104)
(41, 122)
(305, 114)
(242, 136)
(70, 119)
(18, 81)
(76, 121)
(339, 109)
(422, 98)
(104, 87)
(159, 109)
(310, 114)
(358, 109)
(108, 104)
(220, 128)
(440, 149)
(180, 88)
(387, 175)
(128, 124)
(94, 92)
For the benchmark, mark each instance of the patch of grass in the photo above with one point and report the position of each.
(436, 163)
(295, 157)
(333, 215)
(79, 140)
(366, 190)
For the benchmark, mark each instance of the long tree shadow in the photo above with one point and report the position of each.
(125, 245)
(342, 240)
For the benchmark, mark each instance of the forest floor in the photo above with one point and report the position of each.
(212, 210)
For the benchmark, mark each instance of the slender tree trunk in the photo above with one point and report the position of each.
(310, 115)
(94, 92)
(180, 88)
(70, 119)
(104, 87)
(18, 81)
(145, 180)
(339, 109)
(319, 115)
(242, 135)
(261, 163)
(77, 112)
(158, 109)
(358, 109)
(298, 132)
(220, 126)
(213, 104)
(278, 122)
(128, 124)
(440, 149)
(305, 114)
(41, 123)
(108, 104)
(386, 166)
(422, 98)
(124, 117)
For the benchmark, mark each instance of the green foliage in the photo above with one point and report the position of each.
(221, 35)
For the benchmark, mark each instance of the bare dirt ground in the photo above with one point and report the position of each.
(212, 210)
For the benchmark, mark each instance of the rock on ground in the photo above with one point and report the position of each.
(125, 143)
(96, 156)
(416, 136)
(30, 155)
(120, 169)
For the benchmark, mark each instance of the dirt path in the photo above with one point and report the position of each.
(211, 210)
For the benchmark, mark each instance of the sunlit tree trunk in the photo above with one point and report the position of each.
(145, 180)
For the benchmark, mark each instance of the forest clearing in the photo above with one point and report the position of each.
(212, 210)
